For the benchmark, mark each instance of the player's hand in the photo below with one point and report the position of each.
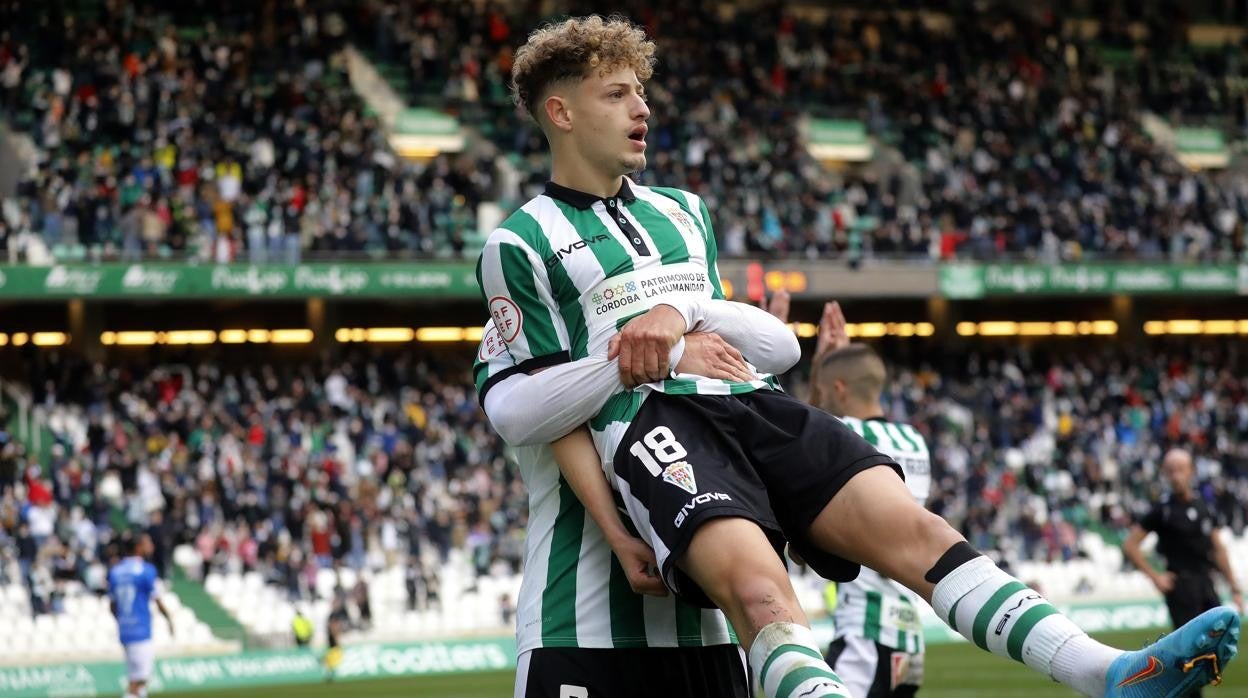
(645, 343)
(1164, 582)
(707, 354)
(833, 332)
(1237, 598)
(778, 306)
(640, 566)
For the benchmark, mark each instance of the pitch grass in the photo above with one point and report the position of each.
(953, 671)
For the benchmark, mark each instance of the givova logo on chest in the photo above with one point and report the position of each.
(562, 252)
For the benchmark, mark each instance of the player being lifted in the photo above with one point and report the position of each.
(132, 587)
(716, 474)
(580, 628)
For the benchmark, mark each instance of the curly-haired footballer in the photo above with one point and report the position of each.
(717, 474)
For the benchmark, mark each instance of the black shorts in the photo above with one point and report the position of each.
(1193, 594)
(762, 456)
(678, 672)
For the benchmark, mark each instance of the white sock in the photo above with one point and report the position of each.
(1003, 616)
(786, 662)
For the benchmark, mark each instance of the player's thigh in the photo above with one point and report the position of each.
(735, 562)
(875, 521)
(677, 467)
(805, 458)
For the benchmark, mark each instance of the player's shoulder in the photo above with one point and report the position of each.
(687, 199)
(528, 224)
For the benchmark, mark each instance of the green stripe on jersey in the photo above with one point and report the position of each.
(480, 374)
(666, 237)
(559, 597)
(712, 253)
(688, 625)
(628, 624)
(621, 407)
(539, 330)
(679, 197)
(871, 628)
(979, 632)
(611, 255)
(900, 438)
(564, 291)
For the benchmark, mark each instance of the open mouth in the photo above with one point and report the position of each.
(638, 135)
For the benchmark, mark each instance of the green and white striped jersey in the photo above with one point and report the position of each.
(564, 273)
(574, 592)
(874, 606)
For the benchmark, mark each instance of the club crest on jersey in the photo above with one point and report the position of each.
(686, 225)
(680, 474)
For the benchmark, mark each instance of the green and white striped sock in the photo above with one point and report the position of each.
(786, 662)
(1003, 616)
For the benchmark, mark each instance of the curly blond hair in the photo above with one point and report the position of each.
(574, 48)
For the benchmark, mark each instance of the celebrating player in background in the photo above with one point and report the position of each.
(132, 587)
(1187, 537)
(717, 474)
(878, 647)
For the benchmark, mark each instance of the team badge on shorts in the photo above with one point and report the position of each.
(680, 474)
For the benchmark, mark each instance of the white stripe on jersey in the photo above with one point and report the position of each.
(543, 486)
(593, 576)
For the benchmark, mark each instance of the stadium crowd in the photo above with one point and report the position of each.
(211, 138)
(1023, 138)
(364, 462)
(372, 461)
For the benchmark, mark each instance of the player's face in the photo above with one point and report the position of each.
(610, 128)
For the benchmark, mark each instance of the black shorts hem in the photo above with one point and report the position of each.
(812, 506)
(683, 585)
(825, 564)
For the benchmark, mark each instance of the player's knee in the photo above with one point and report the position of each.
(763, 597)
(929, 534)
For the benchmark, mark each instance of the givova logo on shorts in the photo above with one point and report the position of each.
(693, 504)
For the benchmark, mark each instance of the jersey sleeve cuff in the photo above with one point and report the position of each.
(528, 366)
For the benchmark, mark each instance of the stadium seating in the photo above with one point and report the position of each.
(953, 176)
(86, 630)
(468, 604)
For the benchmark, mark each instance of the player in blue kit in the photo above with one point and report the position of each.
(132, 587)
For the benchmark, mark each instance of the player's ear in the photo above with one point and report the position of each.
(558, 111)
